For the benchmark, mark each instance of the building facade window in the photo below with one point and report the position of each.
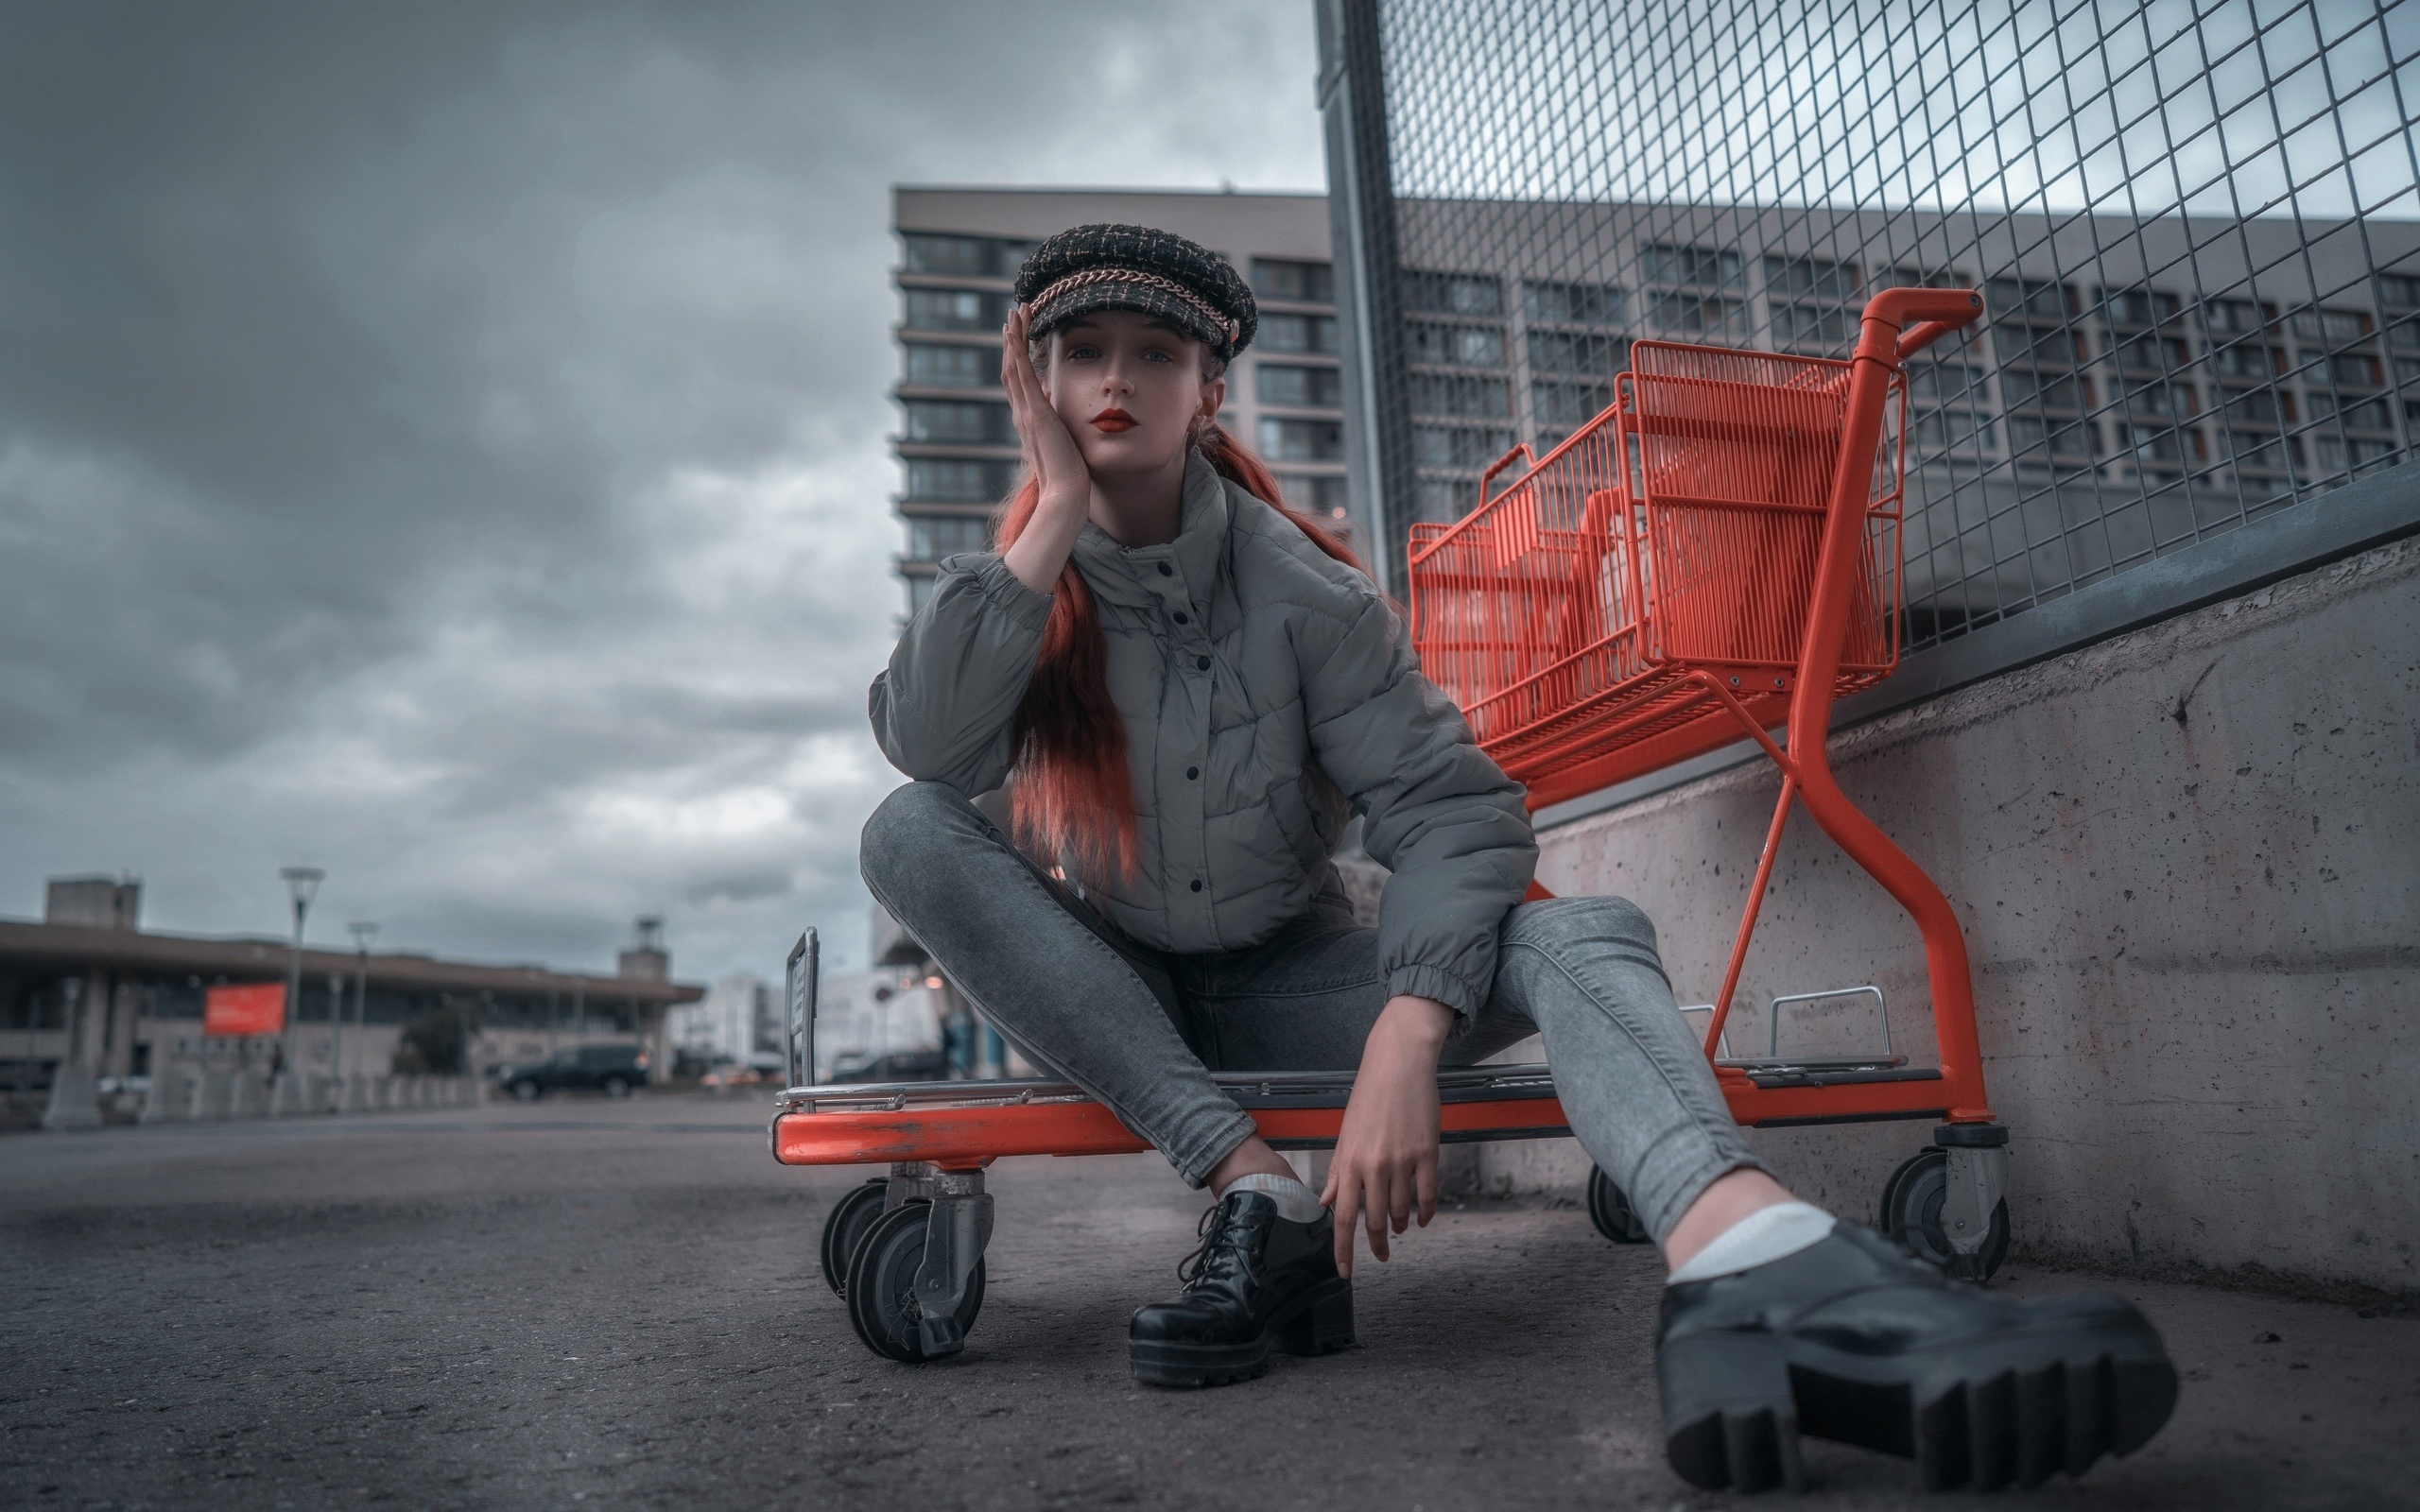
(952, 422)
(955, 309)
(934, 367)
(1453, 293)
(1938, 380)
(1702, 315)
(1578, 352)
(1445, 394)
(953, 480)
(1298, 333)
(1466, 447)
(1811, 278)
(964, 256)
(2139, 307)
(1303, 283)
(932, 537)
(1544, 302)
(1301, 440)
(1295, 387)
(1701, 267)
(1566, 404)
(1455, 346)
(928, 253)
(2222, 319)
(1317, 493)
(1950, 430)
(1443, 501)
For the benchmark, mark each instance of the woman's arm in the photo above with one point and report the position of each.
(1451, 825)
(1384, 1172)
(943, 710)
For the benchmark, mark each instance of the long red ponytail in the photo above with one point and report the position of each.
(1072, 796)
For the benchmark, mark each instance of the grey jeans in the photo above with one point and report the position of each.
(1141, 1029)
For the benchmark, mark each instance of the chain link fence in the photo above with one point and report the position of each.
(2195, 227)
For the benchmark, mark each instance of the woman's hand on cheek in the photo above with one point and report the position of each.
(1037, 556)
(1384, 1172)
(1052, 457)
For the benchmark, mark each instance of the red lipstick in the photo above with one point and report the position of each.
(1113, 420)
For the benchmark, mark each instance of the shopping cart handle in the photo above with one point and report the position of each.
(1521, 451)
(1924, 316)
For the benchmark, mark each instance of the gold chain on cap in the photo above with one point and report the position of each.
(1134, 275)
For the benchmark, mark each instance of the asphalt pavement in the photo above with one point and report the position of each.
(588, 1304)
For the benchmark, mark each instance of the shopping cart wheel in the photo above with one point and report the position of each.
(1610, 1210)
(845, 1225)
(1911, 1212)
(882, 1285)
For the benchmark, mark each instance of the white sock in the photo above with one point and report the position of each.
(1296, 1203)
(1766, 1234)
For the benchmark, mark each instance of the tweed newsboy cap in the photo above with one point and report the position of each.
(1134, 268)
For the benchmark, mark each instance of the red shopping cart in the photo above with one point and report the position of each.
(1714, 555)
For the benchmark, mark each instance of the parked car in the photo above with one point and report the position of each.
(615, 1070)
(899, 1065)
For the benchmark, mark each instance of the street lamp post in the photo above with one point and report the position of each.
(363, 934)
(303, 885)
(335, 1027)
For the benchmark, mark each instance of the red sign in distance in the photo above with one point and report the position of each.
(253, 1007)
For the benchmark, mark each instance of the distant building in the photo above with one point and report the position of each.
(733, 1022)
(87, 981)
(959, 252)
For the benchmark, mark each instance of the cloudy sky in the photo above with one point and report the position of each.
(443, 442)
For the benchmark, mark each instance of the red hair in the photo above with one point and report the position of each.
(1070, 791)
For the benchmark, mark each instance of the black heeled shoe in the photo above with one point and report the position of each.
(1850, 1339)
(1257, 1283)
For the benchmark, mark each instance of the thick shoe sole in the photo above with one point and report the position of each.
(2017, 1407)
(1319, 1322)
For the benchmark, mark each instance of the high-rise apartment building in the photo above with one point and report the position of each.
(959, 254)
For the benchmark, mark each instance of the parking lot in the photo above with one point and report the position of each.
(584, 1304)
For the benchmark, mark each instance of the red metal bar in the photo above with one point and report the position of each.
(1810, 709)
(966, 1138)
(1748, 916)
(957, 1135)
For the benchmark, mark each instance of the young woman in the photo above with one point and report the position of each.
(1136, 731)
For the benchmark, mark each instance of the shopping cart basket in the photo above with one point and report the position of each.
(1716, 554)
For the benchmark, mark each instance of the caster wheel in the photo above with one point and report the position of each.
(882, 1285)
(1610, 1210)
(1911, 1213)
(845, 1225)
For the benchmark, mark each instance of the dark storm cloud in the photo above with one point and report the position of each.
(446, 440)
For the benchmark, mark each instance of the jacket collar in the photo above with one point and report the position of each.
(1133, 577)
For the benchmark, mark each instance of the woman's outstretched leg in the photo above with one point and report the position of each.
(1641, 1098)
(1054, 980)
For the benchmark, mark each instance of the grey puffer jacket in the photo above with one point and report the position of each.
(1264, 688)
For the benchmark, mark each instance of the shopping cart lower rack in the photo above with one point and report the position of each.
(1716, 554)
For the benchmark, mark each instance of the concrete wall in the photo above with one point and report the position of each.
(2188, 864)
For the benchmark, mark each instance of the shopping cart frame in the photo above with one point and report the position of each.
(938, 1138)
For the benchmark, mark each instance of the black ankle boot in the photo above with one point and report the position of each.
(1852, 1340)
(1257, 1282)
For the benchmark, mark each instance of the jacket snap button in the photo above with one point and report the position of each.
(1193, 773)
(1180, 617)
(1202, 662)
(1197, 885)
(1167, 570)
